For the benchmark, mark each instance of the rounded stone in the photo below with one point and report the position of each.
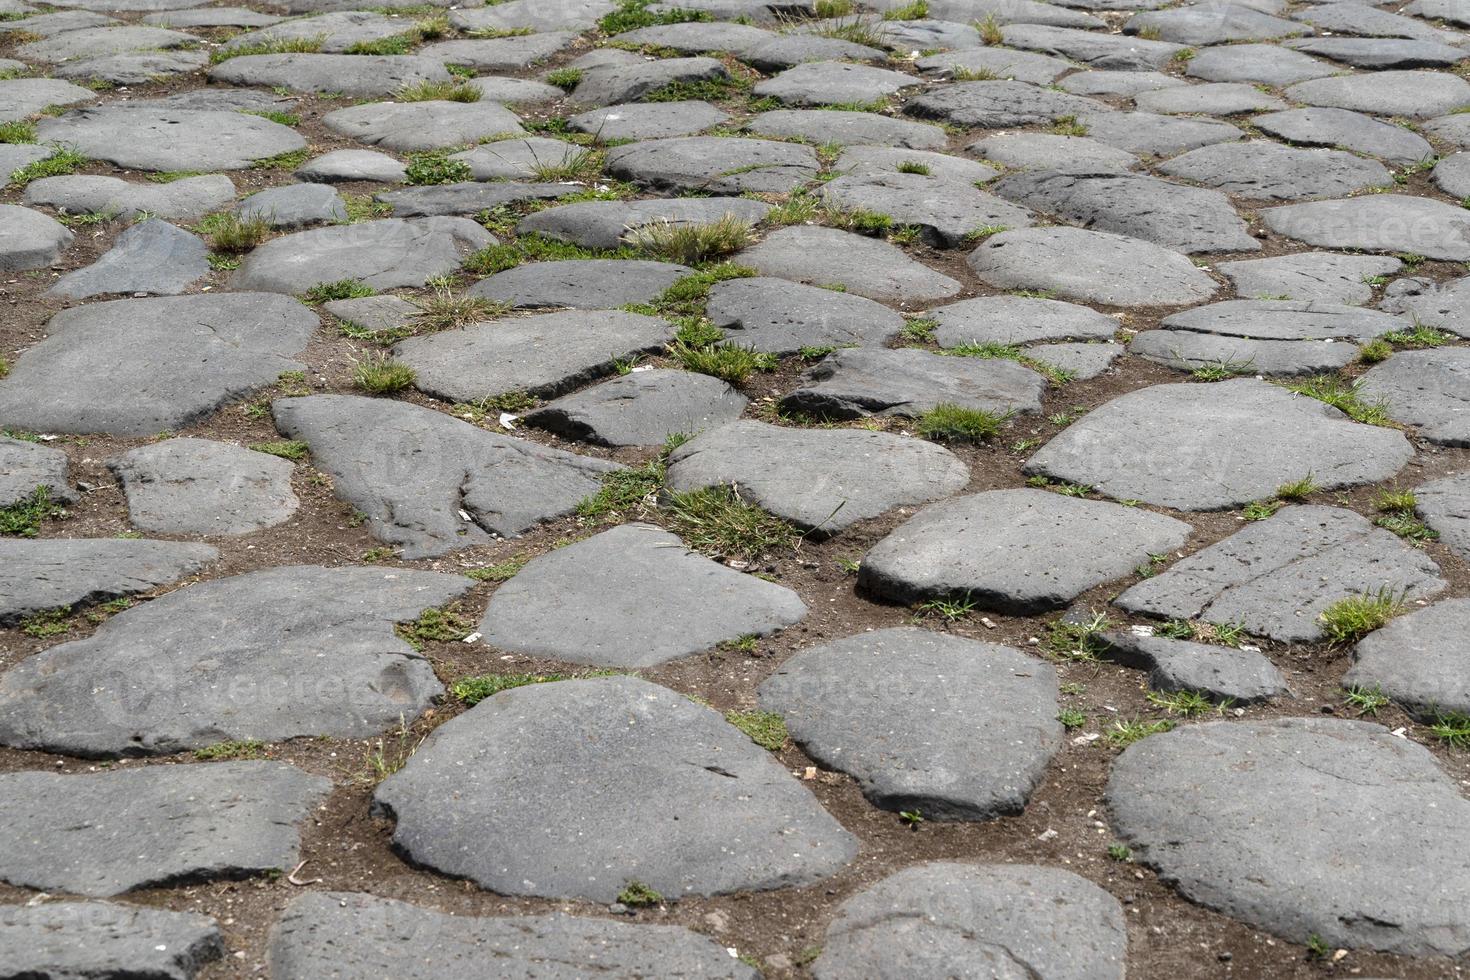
(1419, 660)
(642, 408)
(195, 486)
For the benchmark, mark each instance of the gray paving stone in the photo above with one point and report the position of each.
(338, 933)
(186, 200)
(1268, 64)
(22, 97)
(882, 160)
(999, 548)
(502, 53)
(101, 939)
(30, 239)
(848, 128)
(714, 164)
(137, 68)
(910, 35)
(1285, 320)
(1377, 223)
(592, 284)
(518, 159)
(782, 317)
(383, 254)
(1450, 11)
(864, 266)
(1416, 94)
(571, 15)
(1196, 448)
(1364, 19)
(24, 466)
(1348, 130)
(468, 197)
(819, 83)
(1018, 320)
(412, 471)
(1005, 12)
(1096, 49)
(656, 120)
(632, 597)
(56, 573)
(787, 50)
(1081, 360)
(1381, 52)
(859, 382)
(700, 37)
(1444, 505)
(605, 224)
(1453, 129)
(821, 480)
(1418, 660)
(1452, 175)
(1003, 921)
(170, 139)
(998, 105)
(1125, 84)
(1264, 170)
(58, 22)
(891, 709)
(946, 211)
(1211, 98)
(1212, 23)
(374, 313)
(295, 206)
(337, 31)
(354, 75)
(269, 655)
(153, 825)
(1187, 219)
(149, 257)
(210, 17)
(1325, 277)
(1186, 350)
(1223, 674)
(1426, 388)
(186, 356)
(642, 408)
(1003, 63)
(652, 800)
(630, 81)
(1275, 577)
(1048, 151)
(98, 41)
(1163, 136)
(341, 166)
(1298, 862)
(14, 156)
(1444, 306)
(1091, 266)
(407, 126)
(545, 355)
(196, 486)
(514, 92)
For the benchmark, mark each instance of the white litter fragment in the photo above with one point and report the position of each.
(464, 515)
(507, 420)
(1143, 631)
(1400, 733)
(1087, 739)
(1046, 834)
(472, 638)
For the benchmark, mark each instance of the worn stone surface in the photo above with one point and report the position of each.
(341, 166)
(196, 486)
(659, 120)
(1018, 320)
(863, 266)
(381, 254)
(1189, 350)
(22, 97)
(860, 382)
(467, 198)
(44, 574)
(1217, 99)
(1375, 52)
(1268, 171)
(1211, 23)
(268, 655)
(1312, 276)
(171, 139)
(883, 160)
(544, 355)
(502, 53)
(1347, 130)
(713, 164)
(833, 83)
(1223, 674)
(1049, 151)
(945, 211)
(998, 105)
(1003, 63)
(1416, 94)
(518, 159)
(186, 357)
(1099, 50)
(631, 597)
(1418, 660)
(616, 82)
(1208, 449)
(848, 128)
(150, 257)
(891, 708)
(642, 408)
(1275, 577)
(1151, 133)
(978, 920)
(1263, 63)
(155, 825)
(356, 936)
(1298, 861)
(1091, 266)
(998, 548)
(1284, 319)
(606, 224)
(408, 126)
(821, 480)
(30, 239)
(1127, 84)
(783, 317)
(631, 781)
(25, 466)
(185, 200)
(589, 284)
(412, 471)
(1426, 388)
(1444, 505)
(295, 206)
(100, 939)
(356, 75)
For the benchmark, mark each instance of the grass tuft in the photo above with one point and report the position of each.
(23, 518)
(450, 91)
(231, 235)
(445, 311)
(1345, 397)
(1348, 619)
(278, 45)
(381, 375)
(248, 748)
(947, 422)
(436, 167)
(324, 292)
(292, 449)
(61, 162)
(765, 728)
(435, 626)
(18, 131)
(692, 244)
(715, 521)
(1125, 731)
(728, 362)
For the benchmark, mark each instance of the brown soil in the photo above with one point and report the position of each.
(1064, 825)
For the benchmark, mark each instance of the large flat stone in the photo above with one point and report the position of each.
(630, 782)
(945, 211)
(413, 471)
(1212, 23)
(605, 224)
(859, 382)
(631, 597)
(1418, 660)
(656, 120)
(1264, 170)
(354, 75)
(1097, 49)
(62, 573)
(186, 199)
(1223, 674)
(892, 709)
(1268, 64)
(1285, 319)
(1378, 223)
(782, 317)
(1000, 549)
(382, 254)
(151, 257)
(714, 164)
(1211, 448)
(170, 139)
(1325, 277)
(999, 105)
(1346, 130)
(153, 825)
(1415, 94)
(341, 934)
(1444, 505)
(186, 356)
(1275, 577)
(642, 408)
(195, 486)
(30, 239)
(1018, 320)
(864, 266)
(268, 655)
(584, 284)
(1188, 350)
(848, 128)
(103, 939)
(1351, 834)
(821, 480)
(1091, 266)
(408, 126)
(26, 466)
(1426, 388)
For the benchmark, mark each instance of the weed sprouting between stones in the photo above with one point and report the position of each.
(1365, 700)
(1345, 397)
(1125, 731)
(472, 690)
(324, 292)
(292, 449)
(692, 244)
(636, 894)
(1348, 619)
(237, 749)
(436, 167)
(765, 728)
(948, 422)
(1396, 513)
(1187, 704)
(1079, 640)
(435, 625)
(716, 522)
(23, 518)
